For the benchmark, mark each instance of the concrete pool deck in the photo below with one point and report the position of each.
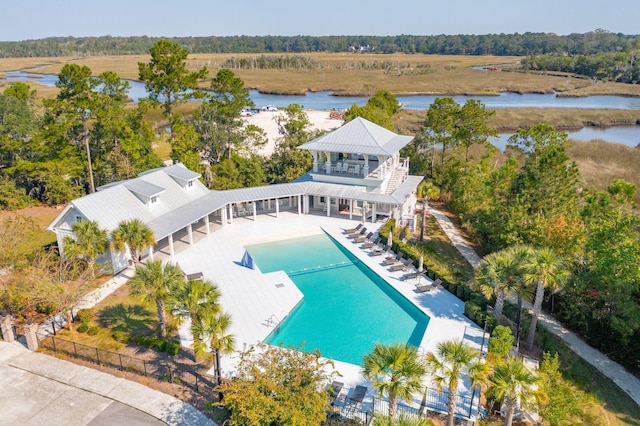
(255, 300)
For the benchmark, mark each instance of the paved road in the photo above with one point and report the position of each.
(621, 377)
(40, 390)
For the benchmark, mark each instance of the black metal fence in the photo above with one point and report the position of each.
(161, 370)
(435, 403)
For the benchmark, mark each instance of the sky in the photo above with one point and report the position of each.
(35, 19)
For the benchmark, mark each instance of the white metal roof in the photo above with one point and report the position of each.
(146, 189)
(359, 136)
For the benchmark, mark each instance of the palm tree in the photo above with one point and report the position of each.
(454, 358)
(88, 242)
(135, 234)
(500, 274)
(155, 281)
(544, 268)
(511, 383)
(193, 298)
(210, 331)
(395, 370)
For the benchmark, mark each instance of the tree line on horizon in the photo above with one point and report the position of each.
(525, 44)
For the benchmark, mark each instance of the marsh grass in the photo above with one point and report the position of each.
(410, 121)
(347, 73)
(601, 162)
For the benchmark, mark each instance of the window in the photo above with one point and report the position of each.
(189, 184)
(153, 199)
(322, 199)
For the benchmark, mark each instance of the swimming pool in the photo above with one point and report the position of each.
(346, 306)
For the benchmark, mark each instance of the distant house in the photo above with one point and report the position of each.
(357, 173)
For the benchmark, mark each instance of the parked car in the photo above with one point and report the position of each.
(270, 108)
(246, 112)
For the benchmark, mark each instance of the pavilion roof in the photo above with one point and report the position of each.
(359, 136)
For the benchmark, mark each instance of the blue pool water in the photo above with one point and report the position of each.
(346, 307)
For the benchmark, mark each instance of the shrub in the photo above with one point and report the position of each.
(460, 292)
(92, 331)
(161, 345)
(138, 339)
(84, 315)
(121, 336)
(173, 347)
(501, 342)
(150, 342)
(82, 328)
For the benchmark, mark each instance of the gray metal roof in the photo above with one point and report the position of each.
(359, 136)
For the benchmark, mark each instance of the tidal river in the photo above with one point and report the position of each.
(629, 135)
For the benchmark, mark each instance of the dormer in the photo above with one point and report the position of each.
(146, 192)
(183, 176)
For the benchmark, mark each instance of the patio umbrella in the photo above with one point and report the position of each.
(421, 264)
(390, 241)
(247, 260)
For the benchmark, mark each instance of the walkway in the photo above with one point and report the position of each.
(626, 381)
(39, 389)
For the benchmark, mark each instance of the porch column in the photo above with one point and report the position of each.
(223, 215)
(255, 211)
(350, 209)
(305, 206)
(365, 169)
(206, 224)
(327, 165)
(171, 250)
(277, 209)
(190, 231)
(150, 252)
(364, 211)
(269, 204)
(230, 213)
(373, 213)
(299, 204)
(315, 161)
(328, 206)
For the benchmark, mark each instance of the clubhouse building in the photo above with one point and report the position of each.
(357, 174)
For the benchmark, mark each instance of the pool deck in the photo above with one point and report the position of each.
(252, 298)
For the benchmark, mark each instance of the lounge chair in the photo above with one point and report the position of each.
(391, 256)
(357, 396)
(391, 260)
(424, 288)
(196, 276)
(376, 252)
(412, 274)
(352, 230)
(370, 244)
(363, 239)
(334, 390)
(401, 266)
(358, 234)
(437, 283)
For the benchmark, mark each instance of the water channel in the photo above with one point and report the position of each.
(628, 135)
